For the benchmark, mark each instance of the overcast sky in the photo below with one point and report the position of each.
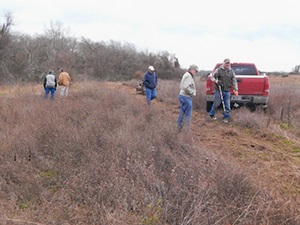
(196, 31)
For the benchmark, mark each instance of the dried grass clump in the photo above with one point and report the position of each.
(244, 118)
(284, 104)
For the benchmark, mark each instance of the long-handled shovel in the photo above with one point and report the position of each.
(222, 99)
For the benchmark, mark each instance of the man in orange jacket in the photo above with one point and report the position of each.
(64, 81)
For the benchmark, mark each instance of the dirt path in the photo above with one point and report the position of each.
(271, 162)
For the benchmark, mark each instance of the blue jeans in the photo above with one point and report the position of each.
(150, 94)
(47, 90)
(185, 113)
(218, 101)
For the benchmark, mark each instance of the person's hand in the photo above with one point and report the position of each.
(218, 82)
(236, 93)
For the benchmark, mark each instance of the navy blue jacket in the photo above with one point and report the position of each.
(150, 80)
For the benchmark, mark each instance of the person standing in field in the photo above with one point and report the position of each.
(224, 79)
(187, 91)
(50, 84)
(150, 83)
(64, 81)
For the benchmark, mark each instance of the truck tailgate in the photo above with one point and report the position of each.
(250, 85)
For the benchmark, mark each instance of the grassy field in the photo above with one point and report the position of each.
(101, 156)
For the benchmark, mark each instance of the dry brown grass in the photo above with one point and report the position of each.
(101, 156)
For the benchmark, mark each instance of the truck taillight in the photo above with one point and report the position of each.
(209, 86)
(266, 85)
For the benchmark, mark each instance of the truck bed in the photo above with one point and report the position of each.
(251, 84)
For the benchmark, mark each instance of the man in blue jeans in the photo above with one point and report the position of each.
(224, 79)
(150, 83)
(187, 91)
(50, 84)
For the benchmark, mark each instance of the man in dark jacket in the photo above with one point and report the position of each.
(224, 79)
(150, 83)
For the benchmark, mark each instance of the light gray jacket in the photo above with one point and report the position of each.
(187, 85)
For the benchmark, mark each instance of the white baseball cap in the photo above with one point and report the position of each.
(151, 68)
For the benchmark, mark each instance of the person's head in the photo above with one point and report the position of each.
(61, 70)
(151, 69)
(193, 69)
(226, 63)
(50, 72)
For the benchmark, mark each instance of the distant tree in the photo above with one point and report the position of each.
(124, 60)
(5, 40)
(59, 47)
(296, 70)
(176, 63)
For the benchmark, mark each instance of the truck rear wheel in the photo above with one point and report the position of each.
(251, 107)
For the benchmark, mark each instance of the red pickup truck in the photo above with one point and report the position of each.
(253, 87)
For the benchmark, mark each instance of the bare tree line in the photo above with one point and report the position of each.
(297, 69)
(25, 58)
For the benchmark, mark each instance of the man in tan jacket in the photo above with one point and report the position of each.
(64, 81)
(187, 91)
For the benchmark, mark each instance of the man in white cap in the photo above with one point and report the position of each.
(187, 91)
(150, 83)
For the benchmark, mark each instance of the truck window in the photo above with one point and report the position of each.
(244, 69)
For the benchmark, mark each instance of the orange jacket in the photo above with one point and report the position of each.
(64, 79)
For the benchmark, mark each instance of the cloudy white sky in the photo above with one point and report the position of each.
(196, 31)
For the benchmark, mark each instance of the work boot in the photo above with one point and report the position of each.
(213, 118)
(225, 120)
